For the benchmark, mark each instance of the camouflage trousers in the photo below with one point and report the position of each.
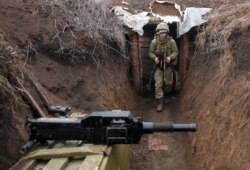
(159, 81)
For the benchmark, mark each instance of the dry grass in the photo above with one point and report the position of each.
(4, 84)
(76, 19)
(1, 38)
(93, 17)
(142, 5)
(216, 36)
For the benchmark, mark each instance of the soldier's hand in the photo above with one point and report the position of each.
(157, 61)
(167, 59)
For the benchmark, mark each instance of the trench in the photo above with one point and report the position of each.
(162, 150)
(214, 95)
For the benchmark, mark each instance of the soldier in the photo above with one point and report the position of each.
(163, 50)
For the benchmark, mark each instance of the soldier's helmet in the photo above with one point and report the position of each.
(162, 28)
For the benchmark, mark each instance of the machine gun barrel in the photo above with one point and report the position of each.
(150, 127)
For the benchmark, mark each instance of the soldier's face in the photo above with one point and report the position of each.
(162, 35)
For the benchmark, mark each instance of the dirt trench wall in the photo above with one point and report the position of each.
(216, 96)
(70, 68)
(85, 87)
(12, 113)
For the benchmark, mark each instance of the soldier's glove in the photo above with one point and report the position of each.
(157, 61)
(168, 59)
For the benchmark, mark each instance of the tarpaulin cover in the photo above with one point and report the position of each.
(192, 18)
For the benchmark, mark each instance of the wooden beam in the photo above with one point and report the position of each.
(29, 165)
(117, 159)
(135, 61)
(105, 164)
(30, 99)
(66, 152)
(91, 162)
(57, 163)
(74, 164)
(184, 53)
(38, 88)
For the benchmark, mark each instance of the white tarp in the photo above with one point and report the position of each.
(192, 18)
(167, 19)
(136, 21)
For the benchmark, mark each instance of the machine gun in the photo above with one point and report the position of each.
(108, 127)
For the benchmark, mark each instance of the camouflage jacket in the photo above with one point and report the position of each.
(165, 48)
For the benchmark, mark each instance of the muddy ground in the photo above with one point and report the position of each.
(162, 150)
(215, 94)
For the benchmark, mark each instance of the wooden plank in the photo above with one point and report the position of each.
(24, 165)
(30, 165)
(135, 61)
(108, 150)
(40, 164)
(91, 162)
(39, 88)
(117, 159)
(142, 53)
(56, 164)
(30, 98)
(66, 152)
(184, 52)
(74, 164)
(105, 164)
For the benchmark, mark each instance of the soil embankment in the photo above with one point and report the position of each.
(216, 93)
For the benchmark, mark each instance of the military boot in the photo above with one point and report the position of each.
(167, 99)
(159, 107)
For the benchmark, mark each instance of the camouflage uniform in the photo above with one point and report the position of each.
(163, 48)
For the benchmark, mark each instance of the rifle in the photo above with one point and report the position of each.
(162, 66)
(149, 85)
(108, 127)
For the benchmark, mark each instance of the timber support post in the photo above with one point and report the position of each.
(135, 61)
(184, 55)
